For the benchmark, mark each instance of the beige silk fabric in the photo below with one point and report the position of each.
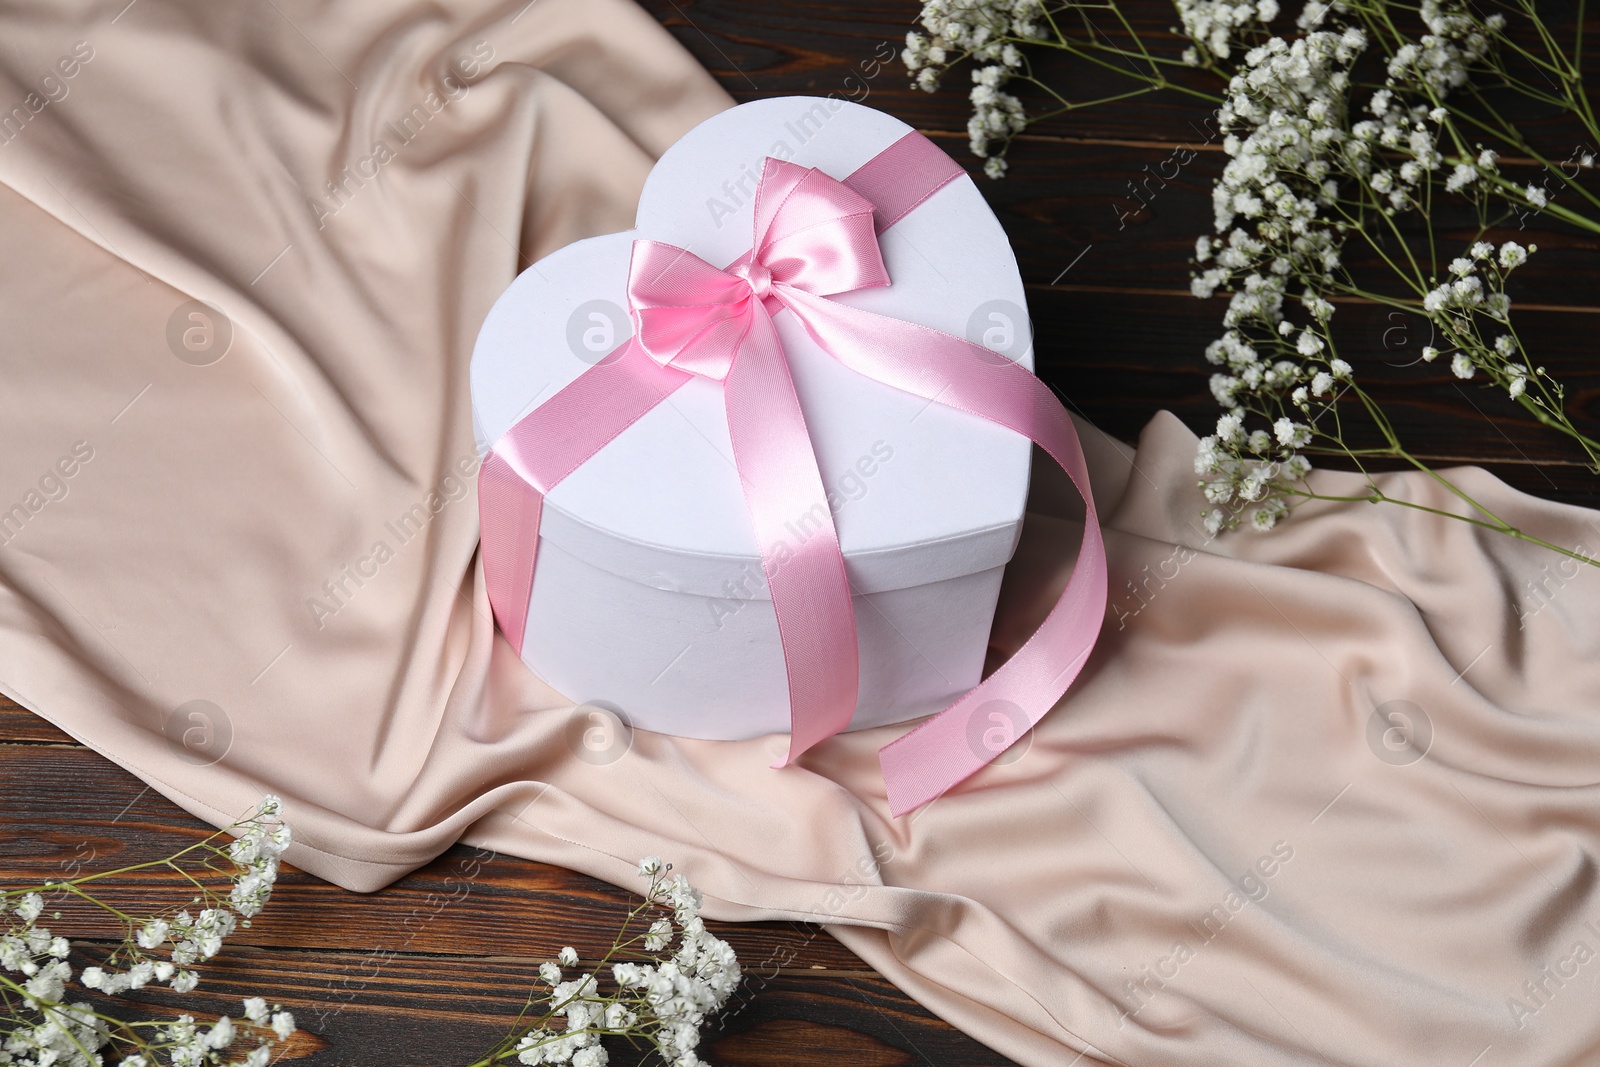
(1324, 796)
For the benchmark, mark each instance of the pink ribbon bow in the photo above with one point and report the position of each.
(815, 237)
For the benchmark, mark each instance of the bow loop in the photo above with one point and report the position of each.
(812, 233)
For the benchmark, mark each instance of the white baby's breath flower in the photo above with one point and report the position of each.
(1467, 291)
(220, 1035)
(1461, 366)
(1291, 434)
(1513, 255)
(153, 934)
(1266, 517)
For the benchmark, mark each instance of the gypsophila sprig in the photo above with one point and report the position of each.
(659, 1000)
(1308, 173)
(1218, 27)
(1321, 167)
(994, 38)
(46, 1025)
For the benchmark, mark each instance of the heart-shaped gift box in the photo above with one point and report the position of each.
(650, 596)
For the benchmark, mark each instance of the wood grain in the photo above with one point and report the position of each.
(1102, 208)
(89, 815)
(782, 49)
(416, 1010)
(433, 969)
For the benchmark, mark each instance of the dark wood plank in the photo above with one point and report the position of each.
(1134, 214)
(82, 814)
(436, 965)
(17, 723)
(1118, 357)
(423, 1011)
(781, 49)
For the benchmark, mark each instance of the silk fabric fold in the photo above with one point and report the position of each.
(1239, 770)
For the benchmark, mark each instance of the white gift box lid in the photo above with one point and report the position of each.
(661, 504)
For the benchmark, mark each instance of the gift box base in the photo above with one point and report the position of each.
(710, 667)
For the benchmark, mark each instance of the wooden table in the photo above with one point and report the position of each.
(1118, 335)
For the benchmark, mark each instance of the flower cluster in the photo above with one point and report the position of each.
(1302, 180)
(1472, 299)
(987, 32)
(43, 1030)
(1284, 124)
(1289, 103)
(189, 1045)
(1251, 469)
(196, 938)
(1405, 141)
(1218, 26)
(664, 1001)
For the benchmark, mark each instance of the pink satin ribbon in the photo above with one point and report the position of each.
(815, 237)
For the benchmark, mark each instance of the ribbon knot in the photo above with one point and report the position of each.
(813, 235)
(759, 277)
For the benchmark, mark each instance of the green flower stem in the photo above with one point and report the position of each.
(69, 887)
(1489, 520)
(126, 1032)
(60, 1010)
(167, 861)
(1155, 79)
(1378, 496)
(1415, 278)
(1508, 132)
(1559, 422)
(1071, 105)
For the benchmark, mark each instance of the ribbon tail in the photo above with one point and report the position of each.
(508, 515)
(540, 450)
(953, 745)
(799, 545)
